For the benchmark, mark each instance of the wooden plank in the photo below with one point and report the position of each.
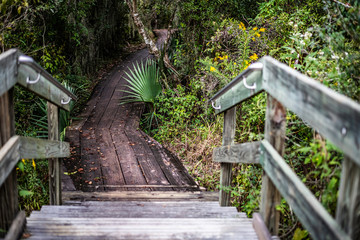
(40, 148)
(8, 68)
(9, 156)
(260, 228)
(150, 168)
(226, 168)
(110, 165)
(307, 208)
(149, 186)
(348, 204)
(17, 227)
(129, 164)
(239, 92)
(142, 195)
(54, 163)
(333, 115)
(238, 153)
(275, 125)
(9, 206)
(43, 87)
(145, 228)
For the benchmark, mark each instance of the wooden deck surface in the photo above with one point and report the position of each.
(140, 220)
(110, 152)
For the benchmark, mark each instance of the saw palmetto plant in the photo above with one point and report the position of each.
(144, 85)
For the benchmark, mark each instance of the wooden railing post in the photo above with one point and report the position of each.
(275, 125)
(348, 204)
(54, 163)
(226, 168)
(8, 191)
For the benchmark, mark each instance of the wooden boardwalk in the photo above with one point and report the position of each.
(110, 152)
(149, 217)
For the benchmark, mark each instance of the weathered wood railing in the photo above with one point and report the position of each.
(333, 115)
(16, 68)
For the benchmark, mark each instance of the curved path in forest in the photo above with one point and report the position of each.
(110, 152)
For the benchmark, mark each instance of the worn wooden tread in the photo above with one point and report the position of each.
(139, 210)
(140, 196)
(141, 228)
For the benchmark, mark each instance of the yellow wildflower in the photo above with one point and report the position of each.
(253, 39)
(262, 29)
(226, 57)
(33, 163)
(257, 34)
(234, 63)
(255, 28)
(23, 160)
(254, 57)
(212, 69)
(242, 26)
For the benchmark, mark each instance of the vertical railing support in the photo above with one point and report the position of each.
(348, 204)
(9, 206)
(275, 127)
(54, 163)
(226, 168)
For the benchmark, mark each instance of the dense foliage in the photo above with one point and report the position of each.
(213, 42)
(71, 40)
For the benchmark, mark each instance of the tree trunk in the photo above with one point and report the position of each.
(141, 28)
(148, 40)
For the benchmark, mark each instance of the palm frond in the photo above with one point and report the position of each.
(143, 82)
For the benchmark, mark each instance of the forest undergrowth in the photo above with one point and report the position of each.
(318, 38)
(212, 44)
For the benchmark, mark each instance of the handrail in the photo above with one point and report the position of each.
(258, 66)
(29, 61)
(16, 68)
(333, 115)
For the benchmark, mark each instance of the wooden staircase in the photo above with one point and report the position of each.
(151, 218)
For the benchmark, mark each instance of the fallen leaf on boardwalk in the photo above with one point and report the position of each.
(80, 169)
(90, 182)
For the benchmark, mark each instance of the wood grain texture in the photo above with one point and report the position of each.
(54, 163)
(17, 227)
(333, 115)
(226, 168)
(239, 92)
(310, 212)
(141, 195)
(9, 206)
(348, 204)
(39, 148)
(9, 156)
(260, 227)
(43, 88)
(238, 153)
(275, 125)
(8, 67)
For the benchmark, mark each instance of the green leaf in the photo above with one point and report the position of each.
(25, 193)
(300, 234)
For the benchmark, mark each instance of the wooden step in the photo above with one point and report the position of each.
(139, 210)
(141, 228)
(140, 196)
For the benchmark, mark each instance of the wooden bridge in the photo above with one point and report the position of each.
(178, 210)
